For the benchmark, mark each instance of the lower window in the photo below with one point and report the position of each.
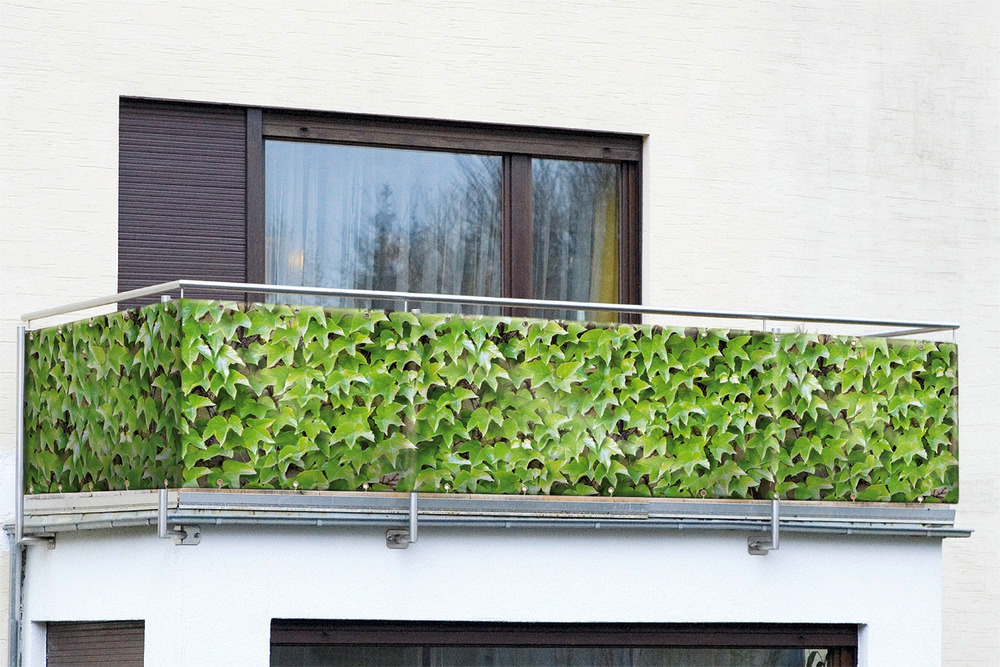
(308, 642)
(94, 643)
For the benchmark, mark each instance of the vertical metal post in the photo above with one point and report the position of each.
(774, 523)
(14, 618)
(17, 548)
(161, 514)
(413, 517)
(759, 546)
(19, 442)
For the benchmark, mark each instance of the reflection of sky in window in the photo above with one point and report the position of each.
(345, 180)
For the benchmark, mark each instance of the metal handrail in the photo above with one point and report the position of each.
(179, 286)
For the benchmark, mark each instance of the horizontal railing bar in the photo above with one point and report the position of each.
(181, 285)
(896, 333)
(152, 290)
(451, 521)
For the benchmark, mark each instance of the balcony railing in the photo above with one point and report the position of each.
(220, 395)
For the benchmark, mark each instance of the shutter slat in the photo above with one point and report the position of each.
(181, 193)
(114, 643)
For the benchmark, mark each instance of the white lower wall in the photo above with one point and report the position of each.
(213, 603)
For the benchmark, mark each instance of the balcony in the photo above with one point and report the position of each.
(355, 408)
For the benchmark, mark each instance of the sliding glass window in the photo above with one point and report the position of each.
(382, 219)
(451, 209)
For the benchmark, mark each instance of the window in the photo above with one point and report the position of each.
(94, 643)
(403, 205)
(376, 203)
(313, 642)
(384, 219)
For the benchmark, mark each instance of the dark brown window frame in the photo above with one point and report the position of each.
(841, 639)
(516, 145)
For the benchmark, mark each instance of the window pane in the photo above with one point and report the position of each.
(345, 656)
(575, 220)
(542, 656)
(383, 219)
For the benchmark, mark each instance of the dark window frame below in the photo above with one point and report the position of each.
(452, 633)
(840, 639)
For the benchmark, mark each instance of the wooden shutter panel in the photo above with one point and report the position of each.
(113, 643)
(181, 193)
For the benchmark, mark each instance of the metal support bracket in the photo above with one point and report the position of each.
(400, 538)
(48, 539)
(186, 535)
(759, 546)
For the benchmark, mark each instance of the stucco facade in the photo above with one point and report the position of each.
(826, 158)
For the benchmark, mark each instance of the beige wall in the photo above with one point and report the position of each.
(823, 157)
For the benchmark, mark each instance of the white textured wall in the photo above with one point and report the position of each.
(212, 604)
(825, 157)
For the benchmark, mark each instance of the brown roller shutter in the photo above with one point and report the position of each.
(181, 193)
(112, 643)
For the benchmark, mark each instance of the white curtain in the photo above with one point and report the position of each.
(382, 219)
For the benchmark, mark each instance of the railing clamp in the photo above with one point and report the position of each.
(400, 538)
(186, 535)
(47, 539)
(759, 546)
(182, 535)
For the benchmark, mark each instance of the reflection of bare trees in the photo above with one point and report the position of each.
(575, 216)
(393, 220)
(450, 242)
